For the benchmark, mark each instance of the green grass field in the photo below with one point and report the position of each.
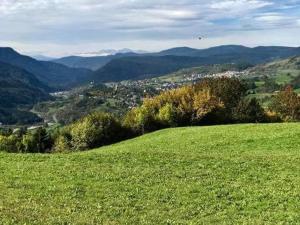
(240, 174)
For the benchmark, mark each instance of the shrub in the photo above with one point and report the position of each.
(38, 141)
(249, 111)
(5, 131)
(95, 130)
(206, 103)
(61, 144)
(10, 144)
(228, 90)
(143, 119)
(167, 115)
(210, 101)
(287, 104)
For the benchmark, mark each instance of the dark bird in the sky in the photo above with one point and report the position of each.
(200, 38)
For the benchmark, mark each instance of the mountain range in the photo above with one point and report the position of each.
(54, 75)
(139, 66)
(67, 72)
(156, 64)
(226, 53)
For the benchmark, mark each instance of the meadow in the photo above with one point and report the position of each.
(235, 174)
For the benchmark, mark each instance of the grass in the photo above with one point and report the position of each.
(240, 174)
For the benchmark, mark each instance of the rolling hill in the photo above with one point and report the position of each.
(252, 55)
(52, 74)
(19, 88)
(218, 50)
(283, 71)
(241, 174)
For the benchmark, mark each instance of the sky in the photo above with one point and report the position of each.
(66, 27)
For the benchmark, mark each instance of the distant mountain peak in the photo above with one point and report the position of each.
(8, 51)
(43, 58)
(108, 52)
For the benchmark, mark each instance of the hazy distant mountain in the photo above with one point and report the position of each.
(53, 74)
(226, 53)
(43, 58)
(108, 52)
(152, 65)
(92, 63)
(19, 88)
(180, 51)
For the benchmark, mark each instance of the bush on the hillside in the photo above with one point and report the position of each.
(62, 144)
(38, 141)
(229, 90)
(273, 117)
(250, 111)
(269, 85)
(209, 102)
(205, 103)
(5, 132)
(287, 104)
(95, 130)
(10, 144)
(167, 115)
(296, 81)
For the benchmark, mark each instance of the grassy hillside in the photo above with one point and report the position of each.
(204, 175)
(282, 71)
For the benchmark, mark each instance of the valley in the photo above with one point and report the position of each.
(125, 79)
(118, 97)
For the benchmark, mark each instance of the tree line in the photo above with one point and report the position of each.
(211, 101)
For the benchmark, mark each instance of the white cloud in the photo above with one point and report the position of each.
(66, 25)
(271, 18)
(240, 4)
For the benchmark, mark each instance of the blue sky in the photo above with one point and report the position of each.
(64, 27)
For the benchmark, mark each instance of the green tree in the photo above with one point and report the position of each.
(10, 144)
(167, 115)
(249, 111)
(287, 104)
(37, 141)
(95, 130)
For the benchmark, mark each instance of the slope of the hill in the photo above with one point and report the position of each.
(52, 74)
(241, 174)
(19, 88)
(283, 71)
